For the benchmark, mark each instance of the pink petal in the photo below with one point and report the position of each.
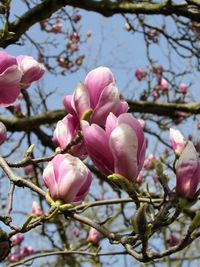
(6, 61)
(81, 100)
(123, 144)
(96, 81)
(96, 142)
(9, 85)
(109, 101)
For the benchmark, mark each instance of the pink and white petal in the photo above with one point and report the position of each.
(6, 61)
(74, 174)
(128, 119)
(108, 102)
(84, 189)
(67, 102)
(81, 100)
(9, 85)
(123, 144)
(50, 181)
(96, 142)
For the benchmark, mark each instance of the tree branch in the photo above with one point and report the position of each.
(45, 9)
(157, 108)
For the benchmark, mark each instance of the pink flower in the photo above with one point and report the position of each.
(3, 133)
(26, 251)
(66, 131)
(14, 257)
(10, 76)
(140, 74)
(67, 178)
(31, 69)
(173, 240)
(120, 148)
(187, 172)
(94, 236)
(17, 239)
(96, 98)
(36, 209)
(76, 232)
(164, 85)
(150, 162)
(177, 141)
(183, 88)
(29, 169)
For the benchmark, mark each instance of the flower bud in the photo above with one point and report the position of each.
(119, 149)
(29, 169)
(164, 85)
(67, 178)
(66, 131)
(31, 69)
(17, 239)
(187, 172)
(36, 209)
(26, 251)
(183, 88)
(177, 141)
(150, 162)
(173, 240)
(3, 133)
(94, 236)
(96, 98)
(140, 74)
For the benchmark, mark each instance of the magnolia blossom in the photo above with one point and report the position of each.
(120, 148)
(65, 132)
(32, 70)
(3, 133)
(96, 97)
(29, 169)
(36, 209)
(164, 85)
(177, 141)
(67, 178)
(183, 88)
(10, 76)
(173, 240)
(187, 172)
(140, 74)
(150, 161)
(26, 251)
(17, 239)
(94, 236)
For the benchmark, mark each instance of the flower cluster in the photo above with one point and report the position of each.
(112, 138)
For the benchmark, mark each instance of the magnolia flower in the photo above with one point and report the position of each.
(31, 69)
(10, 76)
(67, 178)
(65, 132)
(177, 141)
(183, 88)
(140, 74)
(94, 236)
(17, 239)
(36, 209)
(120, 148)
(187, 172)
(95, 98)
